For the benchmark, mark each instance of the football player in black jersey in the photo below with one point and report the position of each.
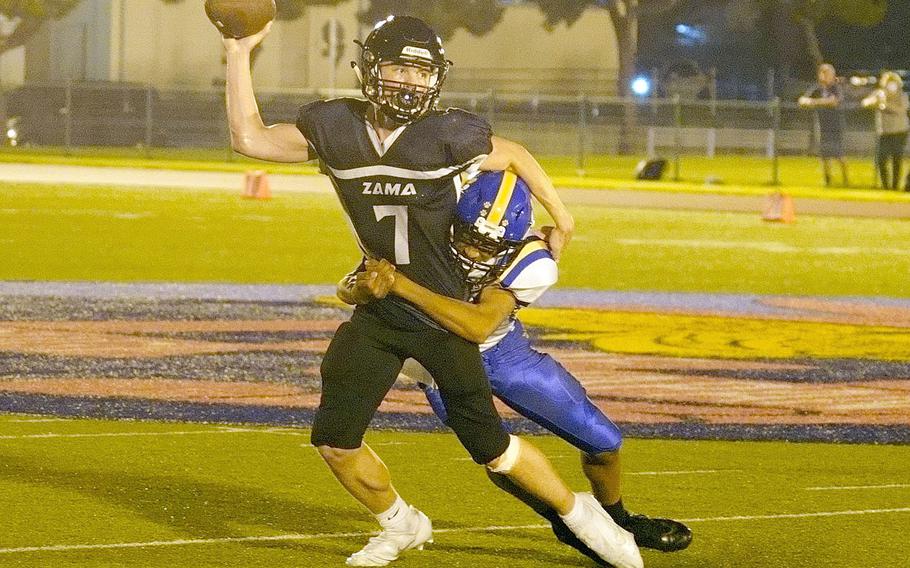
(397, 163)
(509, 268)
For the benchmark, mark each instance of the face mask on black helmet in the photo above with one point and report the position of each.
(401, 40)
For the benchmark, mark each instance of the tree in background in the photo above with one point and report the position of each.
(481, 16)
(809, 13)
(624, 15)
(478, 17)
(800, 18)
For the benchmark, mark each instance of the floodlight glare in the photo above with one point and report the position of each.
(641, 86)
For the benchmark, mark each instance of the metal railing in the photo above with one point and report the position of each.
(74, 115)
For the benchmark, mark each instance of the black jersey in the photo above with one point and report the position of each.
(830, 119)
(400, 195)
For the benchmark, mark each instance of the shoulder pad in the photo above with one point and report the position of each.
(534, 250)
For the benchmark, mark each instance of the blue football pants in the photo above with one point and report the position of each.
(536, 386)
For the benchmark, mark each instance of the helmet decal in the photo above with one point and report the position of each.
(503, 197)
(417, 52)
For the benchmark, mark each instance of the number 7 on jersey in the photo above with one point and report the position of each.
(400, 213)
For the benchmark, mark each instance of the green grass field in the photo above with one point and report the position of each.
(93, 493)
(96, 493)
(751, 175)
(116, 234)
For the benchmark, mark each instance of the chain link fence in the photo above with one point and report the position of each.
(590, 133)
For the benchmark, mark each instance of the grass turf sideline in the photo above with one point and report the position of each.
(738, 175)
(132, 235)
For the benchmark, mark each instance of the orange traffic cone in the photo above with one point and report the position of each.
(779, 208)
(256, 185)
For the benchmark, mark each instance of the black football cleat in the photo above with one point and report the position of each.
(665, 535)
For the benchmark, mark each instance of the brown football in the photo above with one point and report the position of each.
(240, 18)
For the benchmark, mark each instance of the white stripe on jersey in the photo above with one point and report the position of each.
(392, 171)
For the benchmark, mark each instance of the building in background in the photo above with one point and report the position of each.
(150, 42)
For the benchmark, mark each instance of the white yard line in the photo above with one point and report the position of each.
(281, 537)
(218, 430)
(222, 430)
(797, 515)
(765, 246)
(683, 472)
(852, 487)
(35, 420)
(53, 435)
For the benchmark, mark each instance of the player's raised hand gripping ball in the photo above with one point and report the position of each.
(240, 18)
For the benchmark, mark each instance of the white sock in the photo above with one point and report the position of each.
(394, 514)
(576, 515)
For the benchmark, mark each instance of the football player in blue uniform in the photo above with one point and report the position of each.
(508, 270)
(396, 163)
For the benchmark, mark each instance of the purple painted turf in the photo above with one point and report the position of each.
(119, 301)
(745, 304)
(130, 409)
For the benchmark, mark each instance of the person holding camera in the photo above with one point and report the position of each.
(892, 124)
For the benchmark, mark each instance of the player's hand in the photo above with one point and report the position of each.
(557, 240)
(381, 266)
(375, 281)
(249, 42)
(370, 286)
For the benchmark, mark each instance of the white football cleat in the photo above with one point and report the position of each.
(599, 531)
(415, 531)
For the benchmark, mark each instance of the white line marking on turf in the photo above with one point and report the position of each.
(111, 434)
(371, 444)
(33, 420)
(682, 472)
(238, 430)
(849, 487)
(279, 537)
(798, 515)
(775, 247)
(224, 430)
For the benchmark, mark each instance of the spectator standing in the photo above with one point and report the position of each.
(826, 99)
(891, 125)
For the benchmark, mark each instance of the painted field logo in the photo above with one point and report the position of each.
(714, 337)
(379, 188)
(660, 369)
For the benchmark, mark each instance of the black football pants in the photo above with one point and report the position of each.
(363, 362)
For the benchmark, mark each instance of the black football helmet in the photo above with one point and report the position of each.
(402, 40)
